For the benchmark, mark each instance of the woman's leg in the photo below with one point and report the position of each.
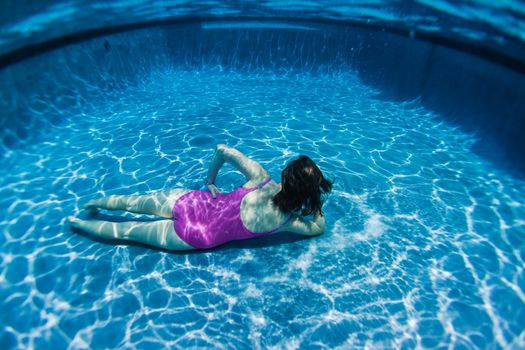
(158, 233)
(157, 203)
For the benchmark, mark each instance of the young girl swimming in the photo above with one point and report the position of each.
(197, 219)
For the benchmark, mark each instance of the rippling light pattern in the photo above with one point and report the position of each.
(424, 243)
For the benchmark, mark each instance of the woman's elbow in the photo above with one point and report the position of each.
(225, 150)
(315, 230)
(319, 230)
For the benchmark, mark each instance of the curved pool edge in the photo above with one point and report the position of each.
(514, 61)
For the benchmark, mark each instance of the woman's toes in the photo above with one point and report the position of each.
(73, 221)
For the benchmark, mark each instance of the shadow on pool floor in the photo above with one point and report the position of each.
(253, 243)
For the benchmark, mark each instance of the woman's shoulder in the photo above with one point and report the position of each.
(269, 190)
(262, 199)
(259, 183)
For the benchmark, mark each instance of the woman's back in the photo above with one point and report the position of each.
(259, 213)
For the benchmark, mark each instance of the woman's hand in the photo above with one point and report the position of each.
(214, 190)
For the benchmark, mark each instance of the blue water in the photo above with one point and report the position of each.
(425, 238)
(423, 245)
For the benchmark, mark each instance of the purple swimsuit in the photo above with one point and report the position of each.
(205, 222)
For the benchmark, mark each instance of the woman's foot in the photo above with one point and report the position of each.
(73, 221)
(93, 207)
(92, 204)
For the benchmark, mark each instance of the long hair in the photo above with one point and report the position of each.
(302, 186)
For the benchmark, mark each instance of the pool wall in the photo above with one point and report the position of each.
(40, 93)
(478, 95)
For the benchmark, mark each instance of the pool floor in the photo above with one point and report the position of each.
(424, 243)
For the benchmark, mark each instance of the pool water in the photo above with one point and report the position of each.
(424, 243)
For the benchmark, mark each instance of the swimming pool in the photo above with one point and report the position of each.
(424, 244)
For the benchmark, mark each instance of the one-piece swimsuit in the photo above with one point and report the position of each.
(205, 222)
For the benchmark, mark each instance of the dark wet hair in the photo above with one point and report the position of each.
(303, 184)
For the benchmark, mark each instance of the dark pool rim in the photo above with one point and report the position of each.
(472, 47)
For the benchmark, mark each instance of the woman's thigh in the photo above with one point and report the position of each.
(158, 203)
(159, 233)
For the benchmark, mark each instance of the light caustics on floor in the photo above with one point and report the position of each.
(424, 242)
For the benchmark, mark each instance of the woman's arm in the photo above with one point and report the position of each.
(252, 170)
(307, 228)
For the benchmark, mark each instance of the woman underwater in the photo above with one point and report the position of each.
(204, 219)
